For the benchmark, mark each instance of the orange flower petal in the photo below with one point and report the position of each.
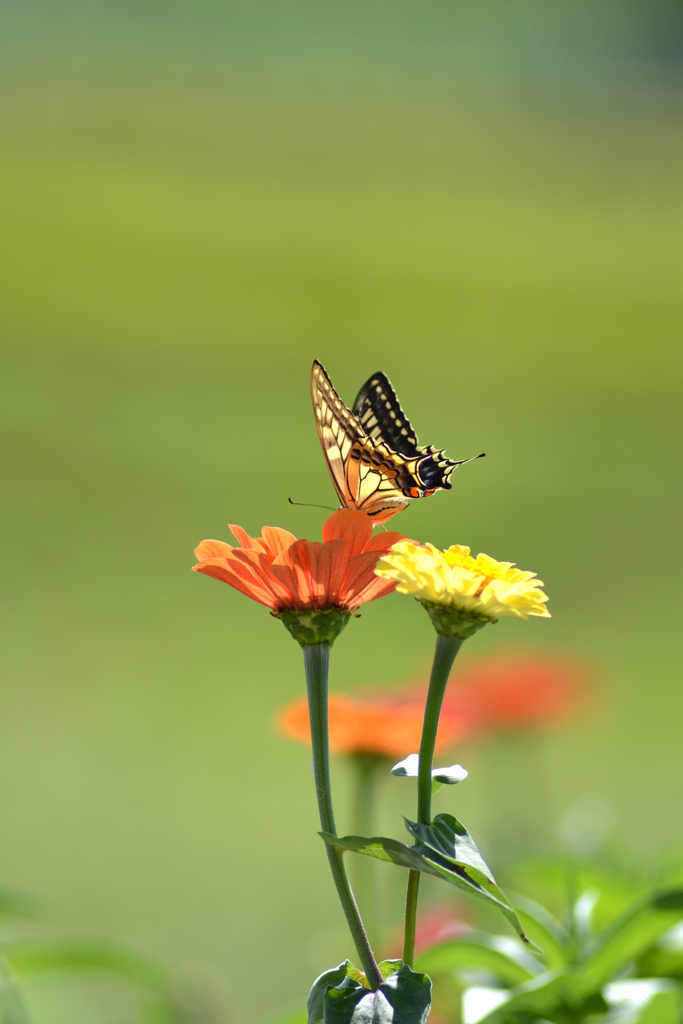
(309, 570)
(375, 589)
(291, 569)
(354, 528)
(359, 577)
(276, 540)
(257, 565)
(212, 549)
(327, 566)
(242, 581)
(244, 540)
(384, 540)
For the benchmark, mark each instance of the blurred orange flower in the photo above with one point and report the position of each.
(516, 691)
(383, 726)
(284, 573)
(513, 691)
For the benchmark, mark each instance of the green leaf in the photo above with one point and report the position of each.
(645, 1001)
(463, 869)
(289, 1018)
(632, 934)
(449, 838)
(663, 1008)
(490, 953)
(558, 990)
(661, 963)
(27, 958)
(539, 924)
(388, 967)
(403, 998)
(316, 996)
(12, 1010)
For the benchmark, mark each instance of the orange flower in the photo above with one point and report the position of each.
(376, 725)
(284, 573)
(516, 691)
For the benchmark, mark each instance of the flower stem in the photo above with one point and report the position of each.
(446, 649)
(316, 663)
(411, 918)
(366, 768)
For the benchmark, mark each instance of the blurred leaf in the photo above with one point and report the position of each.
(546, 997)
(663, 1008)
(404, 997)
(16, 903)
(289, 1018)
(28, 958)
(583, 916)
(632, 934)
(645, 1001)
(661, 963)
(423, 858)
(11, 1005)
(485, 952)
(540, 925)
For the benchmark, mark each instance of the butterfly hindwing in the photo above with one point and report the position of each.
(379, 411)
(372, 453)
(381, 416)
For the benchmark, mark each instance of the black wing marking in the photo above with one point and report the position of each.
(380, 414)
(382, 418)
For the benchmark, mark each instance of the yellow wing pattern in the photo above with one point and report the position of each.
(367, 475)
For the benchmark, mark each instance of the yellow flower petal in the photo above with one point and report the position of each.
(479, 586)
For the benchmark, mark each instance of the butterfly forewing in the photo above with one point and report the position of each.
(338, 429)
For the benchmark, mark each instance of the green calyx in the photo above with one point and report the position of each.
(319, 626)
(450, 621)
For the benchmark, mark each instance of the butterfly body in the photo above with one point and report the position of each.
(372, 452)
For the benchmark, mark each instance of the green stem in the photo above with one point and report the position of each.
(446, 649)
(366, 768)
(316, 662)
(411, 918)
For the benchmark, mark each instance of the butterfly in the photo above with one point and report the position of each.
(372, 451)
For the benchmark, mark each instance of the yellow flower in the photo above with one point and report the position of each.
(481, 587)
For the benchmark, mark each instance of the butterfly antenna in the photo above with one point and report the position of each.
(473, 459)
(309, 505)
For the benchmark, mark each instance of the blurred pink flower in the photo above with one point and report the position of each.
(436, 923)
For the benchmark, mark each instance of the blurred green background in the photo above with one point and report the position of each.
(483, 200)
